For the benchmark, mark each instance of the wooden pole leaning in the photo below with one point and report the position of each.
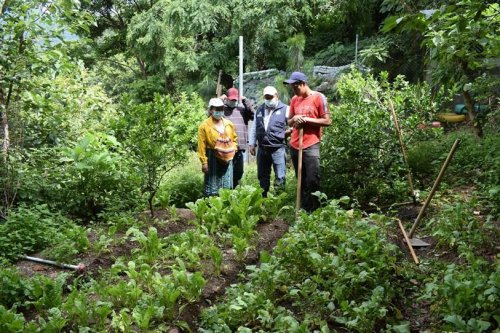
(408, 242)
(434, 187)
(299, 172)
(403, 150)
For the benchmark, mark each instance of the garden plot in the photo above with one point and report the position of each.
(160, 273)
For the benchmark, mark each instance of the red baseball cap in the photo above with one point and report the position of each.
(232, 94)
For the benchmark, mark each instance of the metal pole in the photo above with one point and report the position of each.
(240, 86)
(356, 52)
(434, 187)
(80, 267)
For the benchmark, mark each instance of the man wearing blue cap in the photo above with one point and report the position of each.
(308, 110)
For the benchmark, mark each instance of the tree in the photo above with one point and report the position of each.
(462, 42)
(158, 135)
(31, 44)
(296, 46)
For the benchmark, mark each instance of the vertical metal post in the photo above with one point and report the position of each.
(356, 52)
(240, 85)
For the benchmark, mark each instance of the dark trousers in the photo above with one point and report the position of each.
(238, 163)
(275, 157)
(310, 175)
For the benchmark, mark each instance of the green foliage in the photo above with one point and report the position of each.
(62, 109)
(361, 155)
(296, 45)
(475, 161)
(159, 135)
(12, 286)
(83, 311)
(68, 243)
(181, 185)
(30, 230)
(467, 300)
(461, 41)
(332, 266)
(97, 177)
(190, 248)
(46, 292)
(239, 208)
(10, 321)
(150, 244)
(456, 226)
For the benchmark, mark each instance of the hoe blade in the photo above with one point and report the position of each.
(417, 242)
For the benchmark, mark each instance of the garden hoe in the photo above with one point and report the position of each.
(299, 173)
(416, 242)
(403, 151)
(80, 268)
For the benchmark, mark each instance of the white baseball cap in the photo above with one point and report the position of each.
(216, 102)
(270, 90)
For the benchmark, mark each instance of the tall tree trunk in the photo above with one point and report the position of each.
(150, 203)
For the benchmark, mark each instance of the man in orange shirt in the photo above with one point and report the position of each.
(308, 110)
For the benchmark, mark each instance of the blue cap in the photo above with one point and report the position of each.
(296, 77)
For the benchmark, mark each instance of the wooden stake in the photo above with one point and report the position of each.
(299, 172)
(434, 187)
(403, 150)
(408, 242)
(218, 90)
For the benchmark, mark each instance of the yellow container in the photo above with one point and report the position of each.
(450, 117)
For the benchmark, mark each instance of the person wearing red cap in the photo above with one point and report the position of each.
(239, 114)
(308, 110)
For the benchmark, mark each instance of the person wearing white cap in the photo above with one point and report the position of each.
(217, 142)
(269, 129)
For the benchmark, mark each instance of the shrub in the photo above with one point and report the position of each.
(96, 176)
(182, 185)
(12, 286)
(361, 155)
(28, 230)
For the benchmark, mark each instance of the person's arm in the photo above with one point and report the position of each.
(323, 118)
(252, 133)
(202, 154)
(288, 129)
(320, 122)
(234, 135)
(291, 115)
(248, 110)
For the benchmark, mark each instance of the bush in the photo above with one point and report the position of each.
(12, 286)
(96, 177)
(181, 187)
(475, 159)
(29, 230)
(361, 156)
